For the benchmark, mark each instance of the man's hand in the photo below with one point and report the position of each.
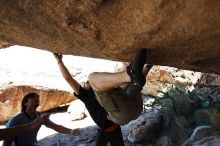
(38, 121)
(58, 57)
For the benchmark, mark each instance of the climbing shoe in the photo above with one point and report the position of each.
(135, 69)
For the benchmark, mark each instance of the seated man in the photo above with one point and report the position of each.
(8, 133)
(108, 103)
(28, 114)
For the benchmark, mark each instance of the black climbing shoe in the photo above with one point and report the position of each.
(135, 69)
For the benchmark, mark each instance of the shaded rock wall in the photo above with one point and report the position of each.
(182, 34)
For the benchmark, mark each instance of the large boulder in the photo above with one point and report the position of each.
(11, 97)
(146, 127)
(183, 34)
(76, 110)
(161, 78)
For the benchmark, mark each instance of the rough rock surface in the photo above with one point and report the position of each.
(209, 141)
(88, 138)
(76, 110)
(146, 126)
(200, 133)
(160, 78)
(182, 34)
(11, 97)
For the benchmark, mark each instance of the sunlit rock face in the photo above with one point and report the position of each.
(11, 97)
(183, 34)
(161, 78)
